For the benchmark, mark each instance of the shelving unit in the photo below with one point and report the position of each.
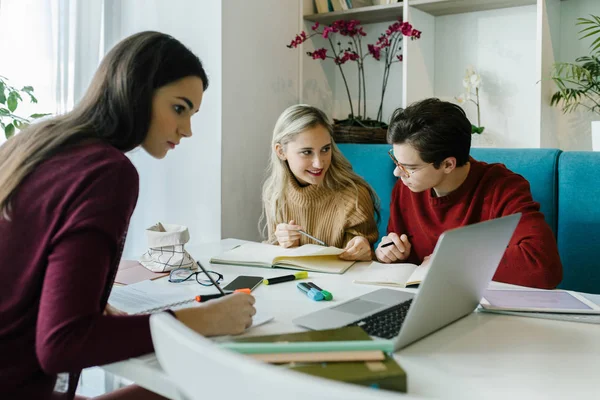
(391, 12)
(366, 15)
(512, 43)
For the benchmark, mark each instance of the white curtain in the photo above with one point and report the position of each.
(54, 46)
(78, 47)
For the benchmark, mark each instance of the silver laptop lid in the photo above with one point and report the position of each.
(462, 265)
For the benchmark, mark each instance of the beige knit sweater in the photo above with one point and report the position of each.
(335, 217)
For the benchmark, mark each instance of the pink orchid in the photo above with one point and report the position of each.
(406, 28)
(387, 48)
(319, 54)
(375, 51)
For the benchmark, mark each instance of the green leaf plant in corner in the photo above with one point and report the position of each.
(579, 82)
(10, 97)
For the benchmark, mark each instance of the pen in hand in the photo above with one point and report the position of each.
(391, 242)
(322, 243)
(211, 278)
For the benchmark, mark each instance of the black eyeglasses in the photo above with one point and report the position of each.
(179, 275)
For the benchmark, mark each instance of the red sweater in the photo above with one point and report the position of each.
(58, 258)
(490, 191)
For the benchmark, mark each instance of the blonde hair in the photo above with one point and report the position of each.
(116, 108)
(293, 121)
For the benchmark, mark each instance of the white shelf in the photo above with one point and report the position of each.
(448, 7)
(391, 12)
(366, 15)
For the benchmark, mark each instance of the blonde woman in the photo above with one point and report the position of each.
(67, 192)
(310, 186)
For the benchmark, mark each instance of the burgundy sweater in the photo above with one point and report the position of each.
(490, 191)
(58, 257)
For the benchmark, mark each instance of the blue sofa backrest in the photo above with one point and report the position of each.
(375, 166)
(538, 166)
(566, 184)
(579, 220)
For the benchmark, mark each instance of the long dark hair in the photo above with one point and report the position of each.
(116, 108)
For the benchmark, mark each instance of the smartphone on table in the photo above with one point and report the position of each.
(243, 282)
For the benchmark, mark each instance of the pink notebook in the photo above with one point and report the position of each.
(131, 271)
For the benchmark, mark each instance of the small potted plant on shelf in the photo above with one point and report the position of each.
(471, 84)
(359, 127)
(579, 82)
(9, 101)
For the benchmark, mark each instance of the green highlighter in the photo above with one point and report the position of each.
(326, 295)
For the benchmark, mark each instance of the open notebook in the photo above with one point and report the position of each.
(309, 257)
(395, 275)
(147, 297)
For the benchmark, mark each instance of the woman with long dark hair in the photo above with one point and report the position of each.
(67, 192)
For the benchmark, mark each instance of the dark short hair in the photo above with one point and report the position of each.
(436, 129)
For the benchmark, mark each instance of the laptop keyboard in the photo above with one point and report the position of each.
(385, 324)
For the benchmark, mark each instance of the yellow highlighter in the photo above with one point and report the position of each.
(286, 278)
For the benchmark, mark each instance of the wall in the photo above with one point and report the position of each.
(185, 187)
(260, 80)
(501, 44)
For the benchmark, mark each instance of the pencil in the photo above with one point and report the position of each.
(322, 243)
(210, 277)
(387, 244)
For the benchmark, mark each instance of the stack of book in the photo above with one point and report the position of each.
(346, 354)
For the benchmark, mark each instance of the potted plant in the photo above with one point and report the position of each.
(10, 97)
(359, 127)
(471, 84)
(579, 82)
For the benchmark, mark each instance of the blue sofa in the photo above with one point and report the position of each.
(566, 184)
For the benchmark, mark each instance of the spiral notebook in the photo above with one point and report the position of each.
(147, 297)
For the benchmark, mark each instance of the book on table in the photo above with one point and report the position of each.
(358, 368)
(394, 275)
(309, 257)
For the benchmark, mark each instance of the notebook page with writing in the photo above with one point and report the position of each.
(395, 275)
(146, 297)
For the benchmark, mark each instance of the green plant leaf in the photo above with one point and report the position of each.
(4, 111)
(38, 115)
(27, 89)
(9, 130)
(2, 97)
(12, 102)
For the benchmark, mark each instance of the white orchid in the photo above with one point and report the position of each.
(471, 82)
(467, 83)
(475, 80)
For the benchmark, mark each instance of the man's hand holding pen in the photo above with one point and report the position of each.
(393, 248)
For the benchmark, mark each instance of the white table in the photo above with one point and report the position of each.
(480, 356)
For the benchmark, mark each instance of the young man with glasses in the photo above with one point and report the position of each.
(441, 187)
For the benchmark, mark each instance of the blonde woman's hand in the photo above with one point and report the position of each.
(399, 251)
(357, 249)
(228, 315)
(287, 234)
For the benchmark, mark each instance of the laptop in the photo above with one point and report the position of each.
(462, 265)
